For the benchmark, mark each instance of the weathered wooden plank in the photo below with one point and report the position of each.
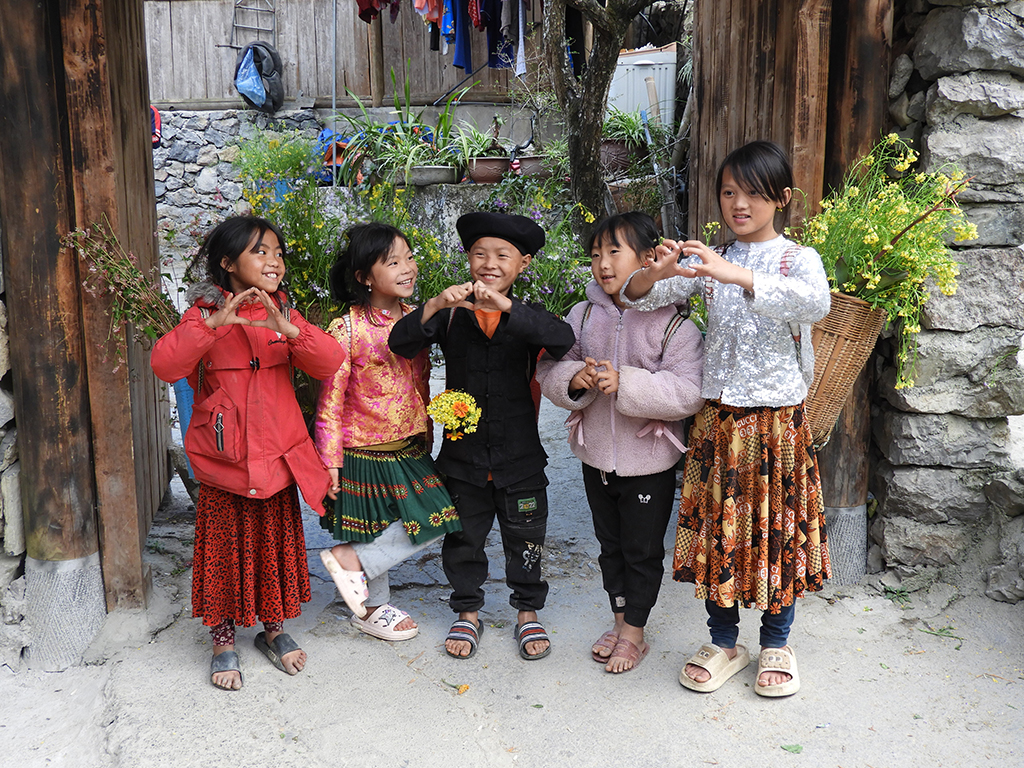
(858, 102)
(218, 56)
(41, 278)
(158, 46)
(102, 47)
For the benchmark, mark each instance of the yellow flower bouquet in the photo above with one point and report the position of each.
(883, 234)
(457, 411)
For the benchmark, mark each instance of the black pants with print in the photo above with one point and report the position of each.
(522, 512)
(631, 516)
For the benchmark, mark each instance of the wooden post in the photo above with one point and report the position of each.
(760, 72)
(858, 99)
(73, 151)
(41, 278)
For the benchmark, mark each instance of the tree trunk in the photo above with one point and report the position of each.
(583, 99)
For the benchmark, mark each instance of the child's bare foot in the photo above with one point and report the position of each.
(293, 661)
(629, 651)
(463, 648)
(536, 647)
(228, 679)
(773, 676)
(602, 649)
(347, 557)
(701, 675)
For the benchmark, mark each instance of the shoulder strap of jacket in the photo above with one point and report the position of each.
(673, 325)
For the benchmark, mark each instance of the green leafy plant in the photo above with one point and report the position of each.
(278, 171)
(620, 125)
(391, 150)
(472, 142)
(882, 238)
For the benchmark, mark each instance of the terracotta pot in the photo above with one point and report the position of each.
(534, 165)
(487, 170)
(614, 157)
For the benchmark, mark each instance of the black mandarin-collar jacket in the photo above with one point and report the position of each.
(496, 372)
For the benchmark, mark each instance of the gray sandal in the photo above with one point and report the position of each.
(281, 646)
(225, 662)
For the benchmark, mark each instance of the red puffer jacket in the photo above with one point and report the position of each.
(247, 434)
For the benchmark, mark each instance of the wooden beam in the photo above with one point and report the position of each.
(861, 47)
(97, 181)
(377, 81)
(42, 291)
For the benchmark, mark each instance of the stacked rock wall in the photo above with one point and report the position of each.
(946, 475)
(13, 632)
(194, 180)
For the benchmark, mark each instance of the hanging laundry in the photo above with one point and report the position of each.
(369, 9)
(463, 58)
(448, 21)
(499, 48)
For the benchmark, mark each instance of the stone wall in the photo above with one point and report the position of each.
(194, 180)
(945, 476)
(13, 632)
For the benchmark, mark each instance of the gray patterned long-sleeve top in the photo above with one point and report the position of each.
(758, 350)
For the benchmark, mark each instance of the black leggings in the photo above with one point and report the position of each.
(631, 515)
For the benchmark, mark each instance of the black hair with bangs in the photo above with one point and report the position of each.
(635, 227)
(761, 167)
(229, 240)
(367, 244)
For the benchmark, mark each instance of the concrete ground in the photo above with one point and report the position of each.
(932, 679)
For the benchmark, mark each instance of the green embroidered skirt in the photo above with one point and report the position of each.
(380, 487)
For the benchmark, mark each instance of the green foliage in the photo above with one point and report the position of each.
(620, 125)
(882, 236)
(277, 171)
(392, 149)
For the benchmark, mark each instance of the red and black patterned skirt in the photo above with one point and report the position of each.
(250, 558)
(751, 517)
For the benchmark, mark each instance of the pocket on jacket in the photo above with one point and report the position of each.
(214, 430)
(526, 501)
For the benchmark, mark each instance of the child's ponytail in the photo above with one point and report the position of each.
(363, 246)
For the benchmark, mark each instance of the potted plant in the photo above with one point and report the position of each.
(625, 139)
(407, 150)
(483, 152)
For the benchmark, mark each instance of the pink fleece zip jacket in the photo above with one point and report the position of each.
(635, 431)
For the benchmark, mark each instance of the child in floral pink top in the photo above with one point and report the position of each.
(372, 433)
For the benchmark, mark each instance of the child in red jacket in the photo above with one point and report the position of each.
(247, 441)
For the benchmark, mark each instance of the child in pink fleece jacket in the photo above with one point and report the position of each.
(629, 379)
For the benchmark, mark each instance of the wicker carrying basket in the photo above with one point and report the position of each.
(842, 341)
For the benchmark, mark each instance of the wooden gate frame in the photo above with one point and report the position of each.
(75, 148)
(813, 76)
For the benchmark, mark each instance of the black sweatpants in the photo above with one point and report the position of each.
(631, 515)
(522, 512)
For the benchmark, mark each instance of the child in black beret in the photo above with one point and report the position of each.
(491, 342)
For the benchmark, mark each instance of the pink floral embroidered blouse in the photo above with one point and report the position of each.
(375, 397)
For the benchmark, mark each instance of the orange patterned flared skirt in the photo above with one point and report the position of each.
(751, 518)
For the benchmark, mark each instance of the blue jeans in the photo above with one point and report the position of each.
(377, 557)
(724, 624)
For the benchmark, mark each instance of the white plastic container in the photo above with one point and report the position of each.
(628, 90)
